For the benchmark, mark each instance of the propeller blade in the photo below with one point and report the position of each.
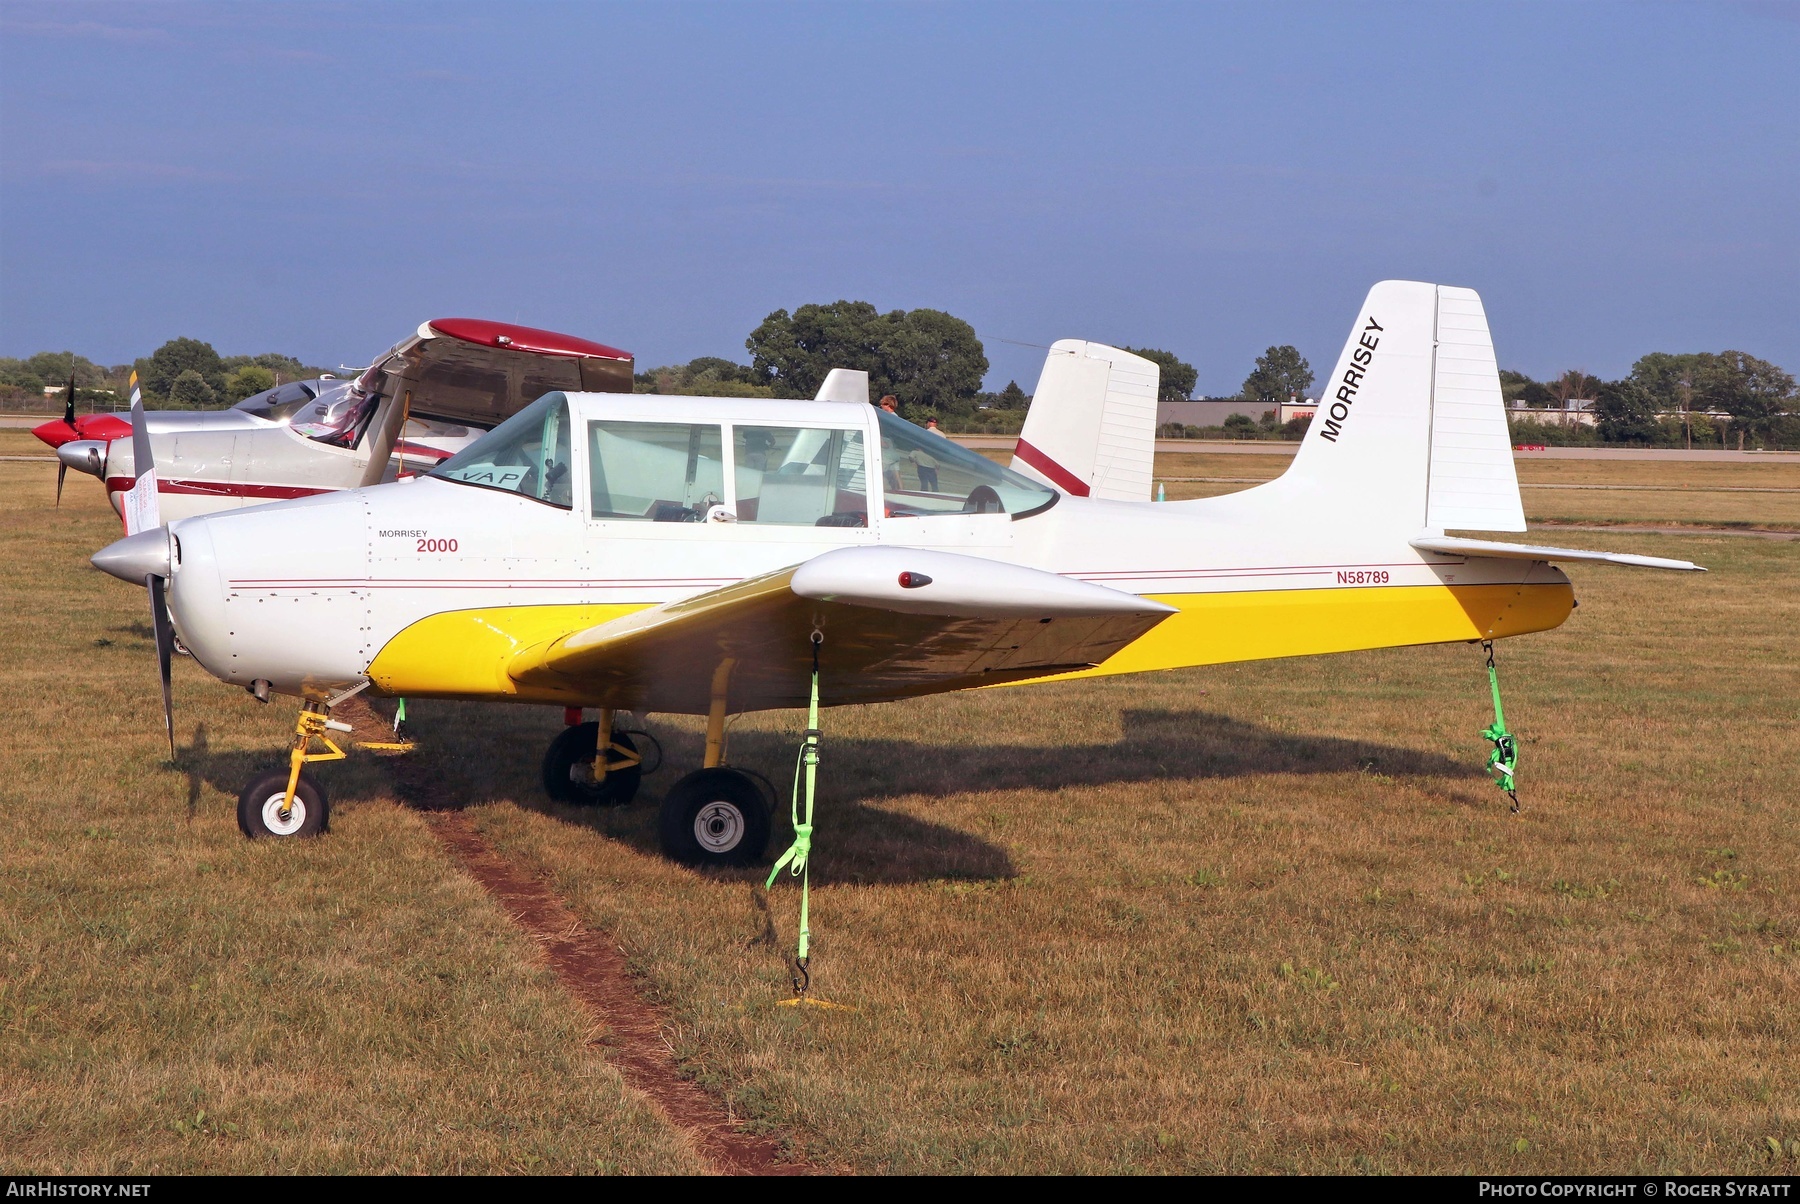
(69, 404)
(62, 470)
(165, 649)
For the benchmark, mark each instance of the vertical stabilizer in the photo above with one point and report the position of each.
(844, 384)
(1411, 430)
(1091, 430)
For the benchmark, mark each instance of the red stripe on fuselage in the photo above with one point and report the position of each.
(1059, 476)
(220, 489)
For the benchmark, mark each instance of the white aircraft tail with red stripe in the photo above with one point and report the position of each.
(1091, 430)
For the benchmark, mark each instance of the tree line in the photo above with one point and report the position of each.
(181, 374)
(933, 363)
(1695, 399)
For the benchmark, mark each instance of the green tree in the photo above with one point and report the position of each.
(1012, 397)
(284, 367)
(1670, 379)
(1756, 393)
(1573, 385)
(160, 370)
(792, 354)
(1518, 389)
(1280, 372)
(58, 366)
(248, 381)
(929, 359)
(707, 376)
(1178, 377)
(191, 391)
(1625, 412)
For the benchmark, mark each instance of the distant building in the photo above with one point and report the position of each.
(1576, 411)
(1213, 411)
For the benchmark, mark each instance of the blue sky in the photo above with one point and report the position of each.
(1208, 178)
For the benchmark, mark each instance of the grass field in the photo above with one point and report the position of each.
(1264, 917)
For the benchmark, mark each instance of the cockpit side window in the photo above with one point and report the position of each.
(925, 474)
(528, 454)
(800, 476)
(659, 472)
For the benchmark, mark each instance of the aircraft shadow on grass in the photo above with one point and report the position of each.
(860, 841)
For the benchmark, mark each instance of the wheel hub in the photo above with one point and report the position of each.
(279, 824)
(719, 827)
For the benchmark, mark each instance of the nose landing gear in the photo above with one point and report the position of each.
(291, 802)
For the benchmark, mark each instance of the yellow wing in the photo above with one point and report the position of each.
(893, 622)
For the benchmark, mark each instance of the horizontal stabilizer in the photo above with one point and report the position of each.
(1520, 551)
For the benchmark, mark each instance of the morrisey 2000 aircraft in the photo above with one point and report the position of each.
(709, 556)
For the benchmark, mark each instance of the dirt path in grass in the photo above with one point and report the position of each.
(589, 966)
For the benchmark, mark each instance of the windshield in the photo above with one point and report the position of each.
(284, 401)
(527, 454)
(338, 418)
(926, 474)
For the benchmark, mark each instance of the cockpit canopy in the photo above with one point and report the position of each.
(758, 470)
(282, 402)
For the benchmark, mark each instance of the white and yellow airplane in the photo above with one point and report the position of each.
(708, 556)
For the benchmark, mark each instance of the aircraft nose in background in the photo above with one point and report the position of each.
(136, 557)
(56, 432)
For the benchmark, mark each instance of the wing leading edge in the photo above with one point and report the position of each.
(895, 622)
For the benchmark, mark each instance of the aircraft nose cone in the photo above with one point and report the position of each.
(56, 432)
(136, 556)
(84, 455)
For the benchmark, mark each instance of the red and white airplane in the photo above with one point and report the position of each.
(430, 396)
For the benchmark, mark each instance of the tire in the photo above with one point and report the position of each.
(715, 817)
(568, 773)
(260, 804)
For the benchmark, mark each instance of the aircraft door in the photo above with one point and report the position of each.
(690, 506)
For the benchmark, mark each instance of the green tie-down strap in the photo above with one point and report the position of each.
(1503, 762)
(806, 768)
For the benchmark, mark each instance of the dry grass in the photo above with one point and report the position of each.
(1265, 917)
(174, 998)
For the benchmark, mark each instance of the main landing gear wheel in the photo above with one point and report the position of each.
(260, 813)
(569, 769)
(715, 817)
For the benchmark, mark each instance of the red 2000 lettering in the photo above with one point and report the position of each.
(449, 545)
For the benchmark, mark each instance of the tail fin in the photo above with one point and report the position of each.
(1411, 431)
(1091, 430)
(844, 384)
